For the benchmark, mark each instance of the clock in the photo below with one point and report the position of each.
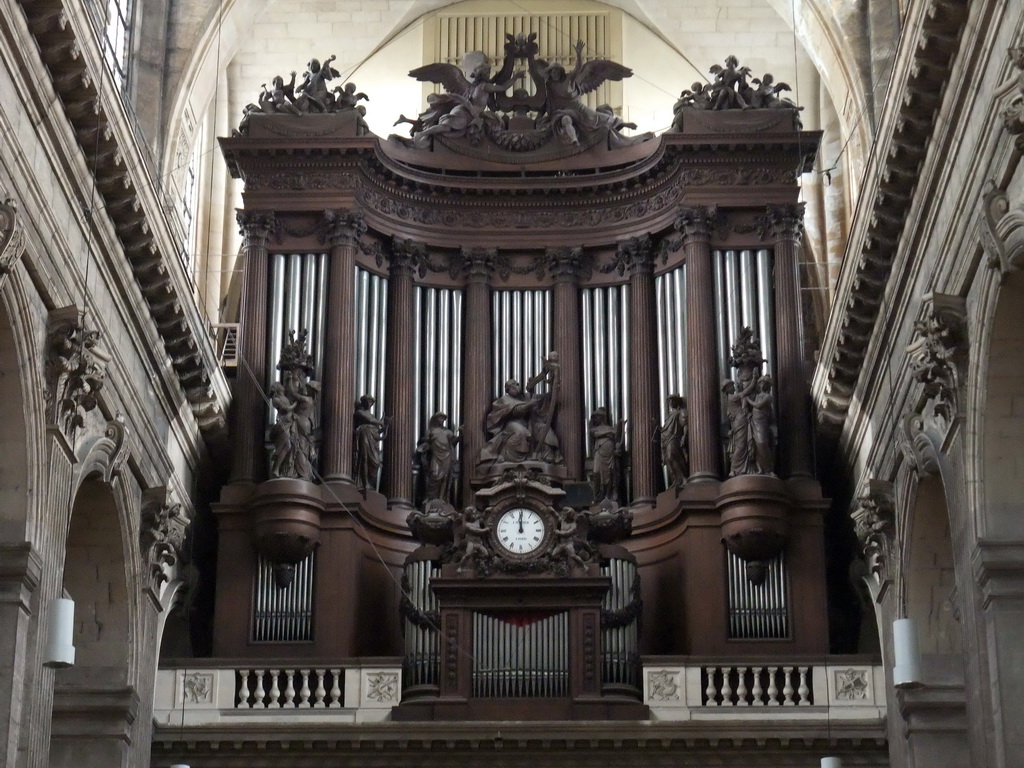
(520, 531)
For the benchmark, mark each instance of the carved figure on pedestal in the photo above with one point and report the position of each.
(369, 431)
(750, 445)
(294, 397)
(674, 435)
(469, 540)
(460, 110)
(520, 423)
(436, 452)
(608, 450)
(762, 426)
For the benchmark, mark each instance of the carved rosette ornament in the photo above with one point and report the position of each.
(938, 352)
(12, 238)
(163, 529)
(874, 522)
(75, 370)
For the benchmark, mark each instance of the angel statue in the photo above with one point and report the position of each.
(454, 113)
(564, 110)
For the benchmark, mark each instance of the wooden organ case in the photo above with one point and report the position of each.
(500, 326)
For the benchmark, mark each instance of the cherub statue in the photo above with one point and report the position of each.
(312, 91)
(730, 89)
(469, 538)
(453, 113)
(565, 549)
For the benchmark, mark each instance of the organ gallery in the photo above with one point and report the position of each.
(525, 393)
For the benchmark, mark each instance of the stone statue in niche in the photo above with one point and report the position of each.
(461, 110)
(294, 398)
(519, 423)
(368, 432)
(608, 449)
(750, 445)
(311, 96)
(674, 436)
(436, 453)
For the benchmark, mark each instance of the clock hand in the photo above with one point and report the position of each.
(520, 521)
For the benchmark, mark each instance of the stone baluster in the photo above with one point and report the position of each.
(404, 259)
(250, 410)
(784, 225)
(342, 230)
(476, 393)
(636, 256)
(566, 266)
(696, 225)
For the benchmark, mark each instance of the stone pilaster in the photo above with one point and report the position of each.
(566, 266)
(342, 230)
(404, 259)
(696, 225)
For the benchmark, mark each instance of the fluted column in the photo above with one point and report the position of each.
(784, 224)
(696, 224)
(342, 230)
(476, 392)
(565, 265)
(636, 256)
(250, 411)
(404, 259)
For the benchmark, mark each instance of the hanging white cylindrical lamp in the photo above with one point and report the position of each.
(60, 632)
(906, 669)
(831, 762)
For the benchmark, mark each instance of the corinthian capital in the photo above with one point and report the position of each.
(256, 226)
(406, 257)
(782, 222)
(635, 256)
(567, 264)
(342, 227)
(696, 223)
(478, 264)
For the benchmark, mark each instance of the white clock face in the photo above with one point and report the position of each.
(520, 531)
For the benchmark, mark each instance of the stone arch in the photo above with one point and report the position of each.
(96, 702)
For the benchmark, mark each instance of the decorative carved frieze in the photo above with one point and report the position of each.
(162, 532)
(75, 370)
(874, 522)
(939, 352)
(12, 238)
(342, 227)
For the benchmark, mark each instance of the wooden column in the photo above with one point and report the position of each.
(565, 264)
(636, 256)
(696, 224)
(784, 224)
(249, 457)
(476, 392)
(404, 259)
(342, 229)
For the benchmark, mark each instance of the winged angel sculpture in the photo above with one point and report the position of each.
(469, 106)
(464, 105)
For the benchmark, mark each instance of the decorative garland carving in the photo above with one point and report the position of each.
(162, 535)
(874, 522)
(75, 370)
(623, 617)
(939, 351)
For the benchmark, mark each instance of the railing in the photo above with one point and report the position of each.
(225, 342)
(825, 690)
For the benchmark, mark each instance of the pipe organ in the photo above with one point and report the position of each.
(588, 438)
